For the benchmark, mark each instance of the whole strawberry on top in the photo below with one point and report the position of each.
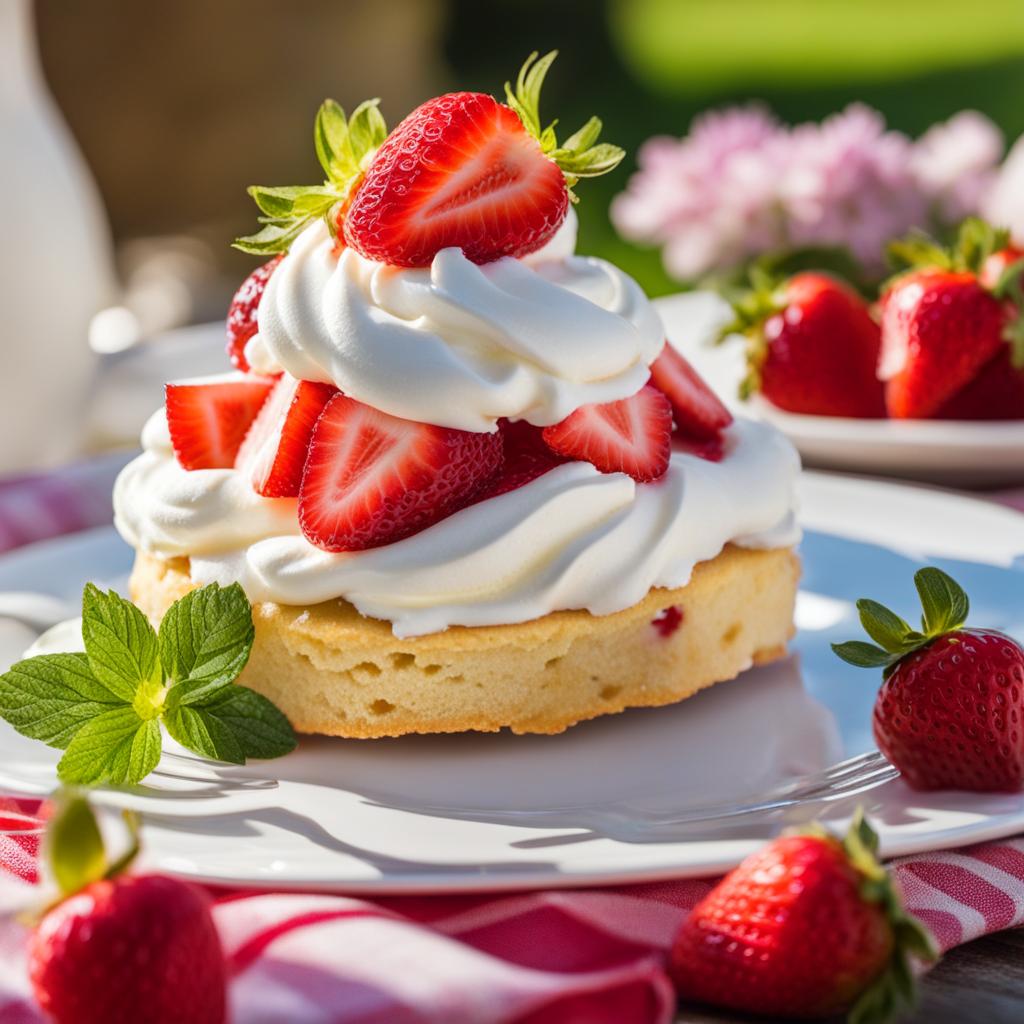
(808, 926)
(120, 948)
(950, 713)
(948, 316)
(461, 170)
(813, 346)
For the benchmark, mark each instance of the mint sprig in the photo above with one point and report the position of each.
(344, 147)
(945, 608)
(580, 155)
(104, 708)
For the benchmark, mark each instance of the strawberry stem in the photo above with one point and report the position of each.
(580, 155)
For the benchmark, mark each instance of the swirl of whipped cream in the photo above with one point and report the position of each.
(456, 344)
(573, 538)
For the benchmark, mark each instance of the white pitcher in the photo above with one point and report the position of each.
(56, 267)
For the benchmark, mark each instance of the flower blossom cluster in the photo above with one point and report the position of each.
(741, 184)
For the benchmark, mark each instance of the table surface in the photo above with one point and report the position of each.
(980, 982)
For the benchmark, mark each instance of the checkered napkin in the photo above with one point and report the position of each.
(532, 958)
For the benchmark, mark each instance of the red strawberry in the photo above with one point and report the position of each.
(241, 325)
(372, 479)
(525, 457)
(996, 393)
(939, 328)
(465, 170)
(711, 451)
(697, 410)
(461, 170)
(275, 449)
(631, 436)
(814, 348)
(808, 926)
(950, 713)
(208, 419)
(126, 948)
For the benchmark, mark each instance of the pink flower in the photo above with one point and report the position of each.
(741, 184)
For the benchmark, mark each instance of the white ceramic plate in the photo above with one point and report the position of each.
(477, 812)
(946, 452)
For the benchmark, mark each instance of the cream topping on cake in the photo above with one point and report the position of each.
(457, 344)
(571, 539)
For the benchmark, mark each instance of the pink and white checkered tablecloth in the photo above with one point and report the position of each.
(589, 956)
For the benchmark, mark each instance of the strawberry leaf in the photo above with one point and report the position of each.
(863, 655)
(946, 605)
(73, 848)
(367, 130)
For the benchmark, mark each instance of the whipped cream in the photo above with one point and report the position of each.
(456, 344)
(573, 538)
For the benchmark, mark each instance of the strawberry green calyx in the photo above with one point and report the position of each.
(74, 851)
(945, 609)
(893, 991)
(344, 147)
(580, 155)
(752, 307)
(976, 242)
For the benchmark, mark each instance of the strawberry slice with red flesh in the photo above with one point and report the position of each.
(275, 449)
(461, 170)
(631, 436)
(241, 323)
(525, 458)
(208, 420)
(698, 411)
(372, 479)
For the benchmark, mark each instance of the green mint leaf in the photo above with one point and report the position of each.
(50, 697)
(260, 728)
(862, 654)
(885, 627)
(196, 729)
(944, 601)
(367, 130)
(116, 747)
(74, 846)
(120, 643)
(333, 142)
(205, 639)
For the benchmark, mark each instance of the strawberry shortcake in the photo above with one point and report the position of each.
(458, 471)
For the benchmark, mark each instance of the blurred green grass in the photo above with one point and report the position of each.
(648, 66)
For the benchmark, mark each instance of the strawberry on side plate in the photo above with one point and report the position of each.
(950, 712)
(631, 436)
(241, 322)
(947, 317)
(209, 418)
(996, 393)
(275, 448)
(372, 479)
(813, 347)
(698, 412)
(465, 170)
(808, 926)
(122, 948)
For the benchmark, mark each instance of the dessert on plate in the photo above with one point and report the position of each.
(457, 470)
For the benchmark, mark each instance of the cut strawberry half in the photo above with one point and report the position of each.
(371, 479)
(209, 419)
(698, 411)
(275, 449)
(525, 458)
(631, 436)
(461, 170)
(241, 323)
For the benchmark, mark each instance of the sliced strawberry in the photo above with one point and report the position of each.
(371, 479)
(275, 449)
(241, 324)
(711, 450)
(526, 457)
(698, 411)
(209, 419)
(631, 436)
(461, 170)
